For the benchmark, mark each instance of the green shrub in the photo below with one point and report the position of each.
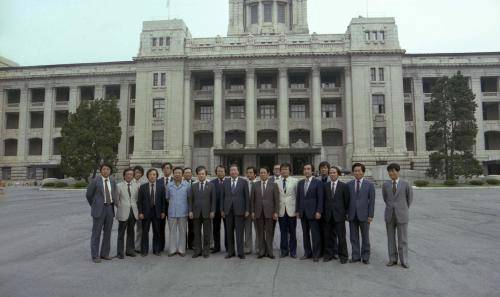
(49, 185)
(450, 182)
(421, 183)
(80, 185)
(476, 182)
(60, 184)
(493, 182)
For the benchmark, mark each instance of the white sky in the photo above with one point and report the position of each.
(36, 32)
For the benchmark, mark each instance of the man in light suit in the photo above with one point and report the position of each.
(138, 181)
(202, 201)
(287, 186)
(101, 194)
(309, 208)
(151, 205)
(235, 208)
(334, 216)
(265, 207)
(126, 213)
(188, 177)
(164, 181)
(398, 196)
(361, 211)
(251, 174)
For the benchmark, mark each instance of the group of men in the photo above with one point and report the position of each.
(196, 210)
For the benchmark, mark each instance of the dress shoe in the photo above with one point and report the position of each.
(131, 254)
(182, 254)
(196, 256)
(229, 256)
(335, 257)
(293, 256)
(213, 251)
(391, 263)
(144, 254)
(157, 253)
(316, 260)
(283, 256)
(366, 261)
(120, 256)
(248, 253)
(260, 256)
(96, 260)
(206, 256)
(107, 258)
(354, 261)
(171, 254)
(242, 257)
(305, 258)
(270, 256)
(405, 265)
(137, 251)
(343, 261)
(328, 259)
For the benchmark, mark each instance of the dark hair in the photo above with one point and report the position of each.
(220, 166)
(339, 173)
(310, 164)
(234, 165)
(265, 168)
(165, 165)
(200, 169)
(286, 165)
(151, 170)
(140, 168)
(254, 170)
(106, 165)
(277, 165)
(178, 168)
(188, 168)
(394, 166)
(323, 164)
(127, 170)
(363, 168)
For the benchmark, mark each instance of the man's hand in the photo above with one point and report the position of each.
(212, 215)
(317, 216)
(222, 214)
(247, 214)
(162, 216)
(275, 216)
(141, 216)
(370, 220)
(191, 215)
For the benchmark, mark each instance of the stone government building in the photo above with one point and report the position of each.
(269, 92)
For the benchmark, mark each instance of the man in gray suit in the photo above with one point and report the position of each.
(251, 174)
(101, 194)
(201, 202)
(265, 205)
(138, 181)
(126, 213)
(398, 196)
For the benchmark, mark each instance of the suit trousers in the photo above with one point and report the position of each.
(190, 234)
(310, 230)
(146, 225)
(248, 235)
(177, 239)
(402, 243)
(202, 246)
(288, 240)
(138, 235)
(127, 226)
(162, 227)
(360, 252)
(216, 227)
(265, 235)
(235, 223)
(332, 231)
(103, 224)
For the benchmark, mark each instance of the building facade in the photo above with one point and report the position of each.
(267, 93)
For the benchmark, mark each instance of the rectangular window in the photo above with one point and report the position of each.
(153, 41)
(60, 118)
(381, 35)
(158, 108)
(408, 112)
(381, 74)
(31, 173)
(167, 41)
(379, 137)
(36, 120)
(237, 112)
(268, 12)
(56, 143)
(298, 111)
(378, 102)
(12, 120)
(131, 145)
(155, 79)
(254, 14)
(131, 119)
(328, 111)
(132, 92)
(157, 140)
(6, 173)
(267, 112)
(13, 96)
(367, 35)
(206, 113)
(374, 35)
(373, 74)
(160, 41)
(163, 79)
(282, 13)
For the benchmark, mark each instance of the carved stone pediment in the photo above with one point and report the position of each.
(267, 144)
(235, 145)
(300, 144)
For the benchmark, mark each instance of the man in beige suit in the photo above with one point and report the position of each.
(265, 203)
(287, 186)
(126, 212)
(398, 196)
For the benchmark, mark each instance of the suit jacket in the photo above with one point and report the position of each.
(325, 181)
(96, 197)
(311, 202)
(398, 203)
(362, 204)
(219, 194)
(267, 201)
(160, 201)
(125, 202)
(238, 198)
(201, 204)
(288, 198)
(336, 205)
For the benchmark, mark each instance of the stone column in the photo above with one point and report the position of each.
(187, 129)
(48, 114)
(74, 99)
(123, 103)
(251, 109)
(316, 107)
(476, 89)
(218, 113)
(348, 115)
(283, 133)
(22, 142)
(418, 101)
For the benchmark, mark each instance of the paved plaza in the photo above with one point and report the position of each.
(454, 250)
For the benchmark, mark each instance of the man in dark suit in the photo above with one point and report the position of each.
(235, 208)
(164, 181)
(324, 169)
(201, 210)
(101, 194)
(218, 183)
(334, 217)
(188, 177)
(361, 211)
(265, 205)
(309, 207)
(152, 208)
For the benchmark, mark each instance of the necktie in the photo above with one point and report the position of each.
(358, 184)
(284, 185)
(129, 193)
(263, 187)
(233, 184)
(201, 187)
(152, 196)
(394, 188)
(333, 188)
(306, 187)
(106, 189)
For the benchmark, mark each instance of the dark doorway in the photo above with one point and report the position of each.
(298, 162)
(236, 159)
(494, 169)
(267, 160)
